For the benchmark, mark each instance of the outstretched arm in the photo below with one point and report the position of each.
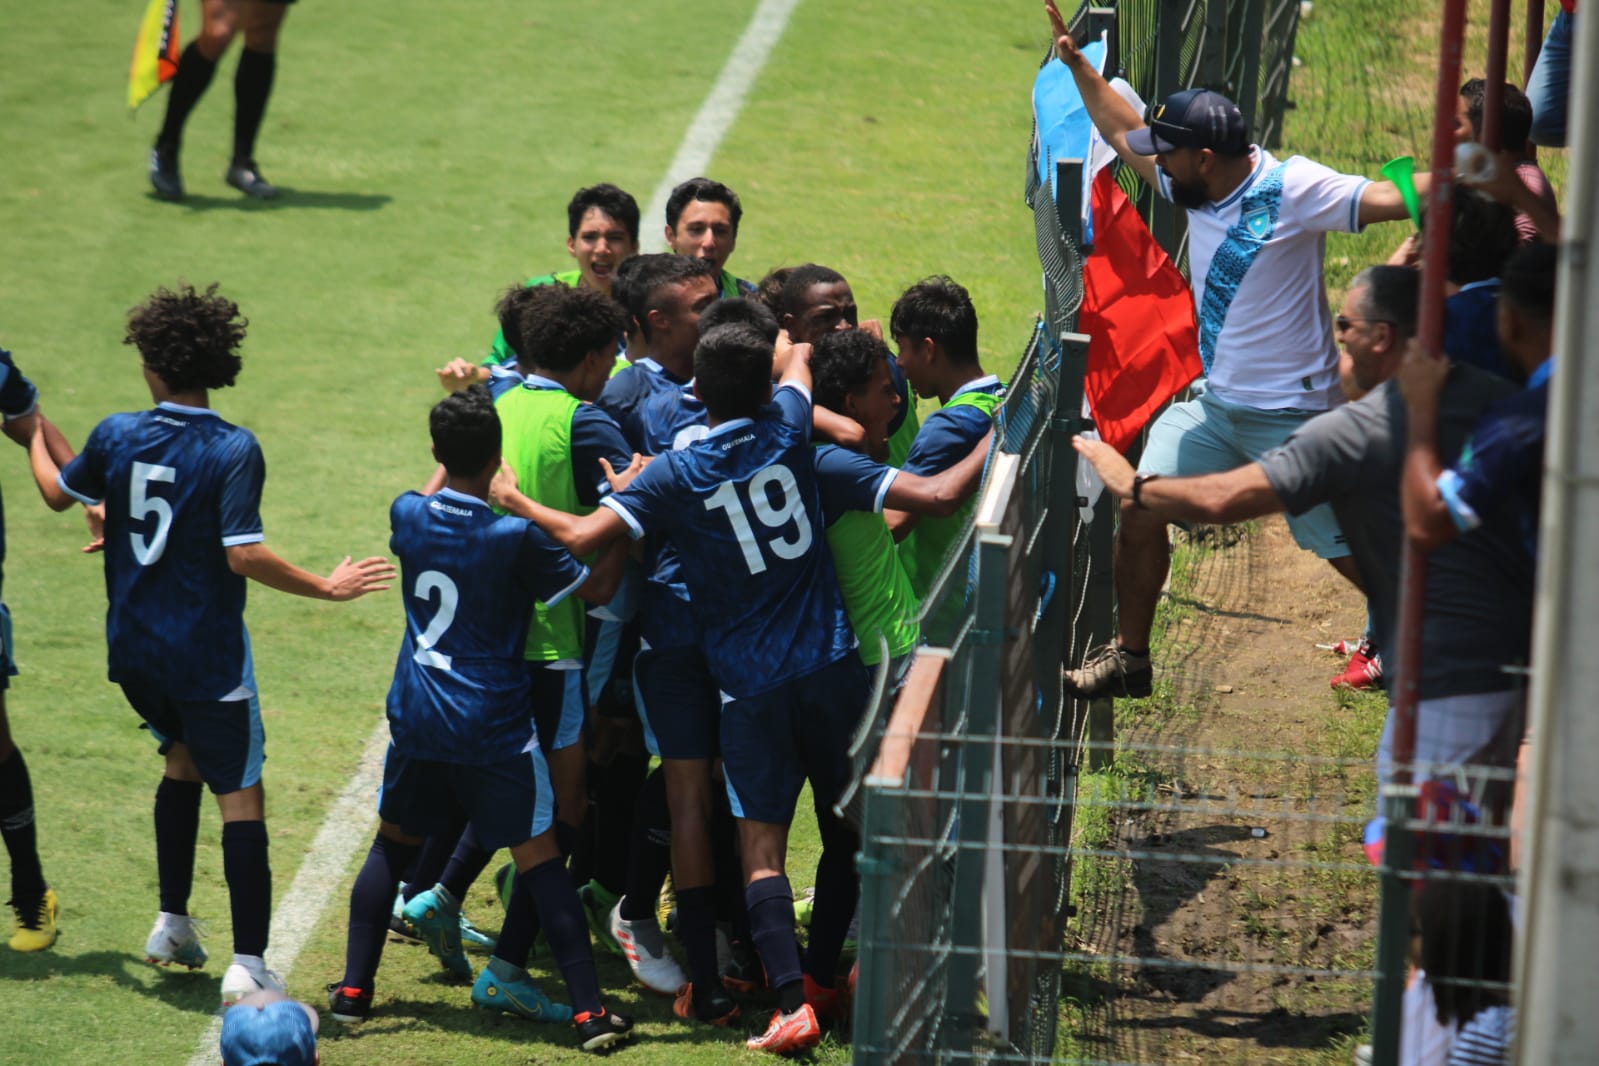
(46, 468)
(1113, 117)
(938, 495)
(1216, 499)
(578, 534)
(348, 581)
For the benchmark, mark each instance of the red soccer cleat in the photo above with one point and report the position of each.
(1363, 671)
(788, 1033)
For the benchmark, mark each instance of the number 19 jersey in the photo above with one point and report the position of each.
(180, 486)
(470, 579)
(743, 510)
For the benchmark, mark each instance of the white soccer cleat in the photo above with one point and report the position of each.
(176, 939)
(644, 947)
(244, 978)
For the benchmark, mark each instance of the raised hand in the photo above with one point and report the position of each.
(621, 479)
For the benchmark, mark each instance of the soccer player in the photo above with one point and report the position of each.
(33, 902)
(934, 325)
(742, 507)
(182, 493)
(666, 294)
(602, 234)
(817, 301)
(461, 742)
(702, 219)
(220, 22)
(851, 376)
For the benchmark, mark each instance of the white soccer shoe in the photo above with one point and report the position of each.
(176, 940)
(246, 977)
(644, 947)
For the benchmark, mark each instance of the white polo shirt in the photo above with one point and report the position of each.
(1267, 328)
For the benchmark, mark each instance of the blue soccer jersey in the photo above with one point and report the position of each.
(673, 419)
(470, 579)
(180, 487)
(1500, 469)
(18, 398)
(743, 510)
(628, 393)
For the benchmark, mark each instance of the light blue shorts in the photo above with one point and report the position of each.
(1206, 435)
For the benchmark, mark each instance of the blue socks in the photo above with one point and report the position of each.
(565, 928)
(371, 901)
(177, 827)
(249, 876)
(771, 906)
(696, 928)
(837, 889)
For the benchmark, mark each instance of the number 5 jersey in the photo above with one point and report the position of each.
(180, 486)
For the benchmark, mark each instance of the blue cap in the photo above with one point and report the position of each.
(269, 1028)
(1193, 118)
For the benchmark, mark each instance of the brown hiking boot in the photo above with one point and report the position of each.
(1109, 670)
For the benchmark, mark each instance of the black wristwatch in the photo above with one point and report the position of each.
(1138, 483)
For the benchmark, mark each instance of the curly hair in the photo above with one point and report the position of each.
(563, 325)
(465, 429)
(769, 290)
(843, 362)
(189, 339)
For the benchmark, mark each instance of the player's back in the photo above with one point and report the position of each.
(743, 510)
(180, 485)
(470, 579)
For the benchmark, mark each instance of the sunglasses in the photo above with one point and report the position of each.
(1341, 323)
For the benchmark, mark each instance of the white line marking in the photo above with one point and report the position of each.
(717, 113)
(349, 824)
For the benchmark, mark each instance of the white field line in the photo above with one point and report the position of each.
(349, 821)
(348, 825)
(716, 115)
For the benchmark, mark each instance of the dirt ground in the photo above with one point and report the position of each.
(1232, 912)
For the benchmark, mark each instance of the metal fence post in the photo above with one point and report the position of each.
(1393, 923)
(1168, 222)
(961, 1016)
(1100, 613)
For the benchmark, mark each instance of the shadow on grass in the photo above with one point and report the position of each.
(1272, 1028)
(196, 991)
(287, 199)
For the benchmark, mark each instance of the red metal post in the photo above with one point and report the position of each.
(1533, 30)
(1493, 104)
(1434, 270)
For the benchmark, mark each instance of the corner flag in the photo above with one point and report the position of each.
(155, 51)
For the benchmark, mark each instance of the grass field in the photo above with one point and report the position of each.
(427, 152)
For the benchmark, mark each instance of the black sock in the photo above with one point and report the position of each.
(565, 839)
(521, 925)
(696, 928)
(565, 929)
(371, 900)
(771, 907)
(616, 793)
(837, 889)
(252, 84)
(249, 876)
(649, 851)
(467, 862)
(432, 858)
(177, 827)
(188, 85)
(16, 826)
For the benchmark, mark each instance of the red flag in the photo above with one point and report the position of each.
(1139, 315)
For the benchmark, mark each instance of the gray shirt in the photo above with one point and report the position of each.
(1478, 608)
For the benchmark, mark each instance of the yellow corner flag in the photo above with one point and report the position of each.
(155, 51)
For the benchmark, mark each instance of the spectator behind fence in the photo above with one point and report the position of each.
(1549, 88)
(268, 1028)
(1515, 122)
(1256, 230)
(1478, 597)
(1466, 956)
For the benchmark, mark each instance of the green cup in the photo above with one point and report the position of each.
(1402, 172)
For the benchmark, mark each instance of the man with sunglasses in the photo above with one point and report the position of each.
(1256, 234)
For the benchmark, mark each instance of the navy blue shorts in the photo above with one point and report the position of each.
(802, 729)
(224, 737)
(559, 705)
(678, 702)
(507, 802)
(8, 661)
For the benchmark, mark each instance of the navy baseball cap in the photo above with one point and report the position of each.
(269, 1027)
(1193, 118)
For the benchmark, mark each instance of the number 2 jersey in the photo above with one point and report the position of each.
(742, 508)
(469, 579)
(180, 486)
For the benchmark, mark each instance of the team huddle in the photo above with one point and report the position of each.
(679, 520)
